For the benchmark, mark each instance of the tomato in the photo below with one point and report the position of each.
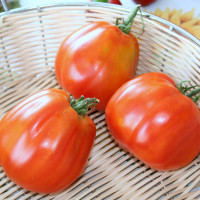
(153, 120)
(108, 1)
(44, 142)
(115, 2)
(144, 2)
(96, 60)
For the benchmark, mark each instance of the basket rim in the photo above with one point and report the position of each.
(153, 17)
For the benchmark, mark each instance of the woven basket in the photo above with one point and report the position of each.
(29, 40)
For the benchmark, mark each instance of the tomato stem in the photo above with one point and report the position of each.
(82, 105)
(125, 27)
(185, 90)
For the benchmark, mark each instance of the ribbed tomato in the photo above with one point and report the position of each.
(97, 59)
(155, 121)
(44, 142)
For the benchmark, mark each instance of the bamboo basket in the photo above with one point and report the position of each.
(29, 40)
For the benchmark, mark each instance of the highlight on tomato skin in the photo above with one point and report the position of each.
(152, 119)
(97, 59)
(44, 142)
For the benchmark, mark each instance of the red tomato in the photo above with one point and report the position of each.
(153, 120)
(44, 142)
(115, 2)
(108, 1)
(144, 2)
(96, 60)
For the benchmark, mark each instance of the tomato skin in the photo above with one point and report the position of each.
(153, 120)
(44, 143)
(115, 2)
(96, 60)
(108, 1)
(144, 2)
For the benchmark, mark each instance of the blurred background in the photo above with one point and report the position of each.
(184, 13)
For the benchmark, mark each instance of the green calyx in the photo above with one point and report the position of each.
(82, 105)
(191, 92)
(125, 27)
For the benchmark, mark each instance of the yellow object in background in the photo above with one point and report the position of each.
(185, 20)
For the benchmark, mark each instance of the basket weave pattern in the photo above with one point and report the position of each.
(29, 41)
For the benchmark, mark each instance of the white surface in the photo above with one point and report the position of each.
(27, 3)
(186, 5)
